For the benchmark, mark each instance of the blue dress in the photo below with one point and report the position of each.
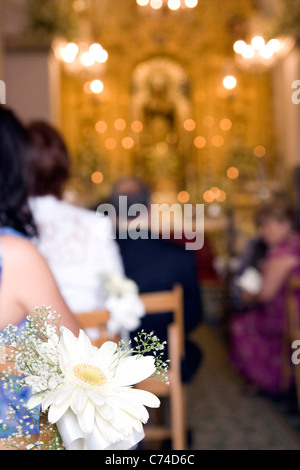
(8, 427)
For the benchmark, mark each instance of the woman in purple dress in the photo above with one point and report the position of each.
(257, 335)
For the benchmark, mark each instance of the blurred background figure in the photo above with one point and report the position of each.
(257, 335)
(156, 265)
(251, 258)
(75, 241)
(25, 279)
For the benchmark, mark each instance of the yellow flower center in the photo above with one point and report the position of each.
(89, 374)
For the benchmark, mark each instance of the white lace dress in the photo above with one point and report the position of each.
(79, 249)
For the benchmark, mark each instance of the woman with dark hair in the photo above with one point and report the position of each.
(14, 171)
(25, 279)
(75, 241)
(257, 335)
(51, 160)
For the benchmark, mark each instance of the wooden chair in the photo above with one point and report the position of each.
(159, 302)
(291, 333)
(96, 319)
(165, 302)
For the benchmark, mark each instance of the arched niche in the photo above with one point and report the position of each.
(160, 100)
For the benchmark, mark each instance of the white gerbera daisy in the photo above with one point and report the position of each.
(96, 385)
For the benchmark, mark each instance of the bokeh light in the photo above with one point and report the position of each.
(101, 127)
(189, 125)
(229, 82)
(225, 124)
(110, 143)
(259, 151)
(183, 196)
(233, 173)
(200, 142)
(127, 143)
(97, 177)
(120, 124)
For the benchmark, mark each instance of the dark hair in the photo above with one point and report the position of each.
(276, 210)
(14, 174)
(136, 190)
(50, 160)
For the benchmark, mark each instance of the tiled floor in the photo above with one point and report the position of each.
(221, 416)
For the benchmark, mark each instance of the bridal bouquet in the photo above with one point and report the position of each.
(123, 302)
(85, 392)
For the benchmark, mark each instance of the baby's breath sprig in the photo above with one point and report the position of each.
(19, 422)
(149, 343)
(31, 350)
(43, 322)
(21, 438)
(49, 437)
(144, 344)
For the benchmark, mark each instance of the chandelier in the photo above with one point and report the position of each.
(81, 57)
(260, 54)
(171, 4)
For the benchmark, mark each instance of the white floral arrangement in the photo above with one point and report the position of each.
(84, 393)
(123, 302)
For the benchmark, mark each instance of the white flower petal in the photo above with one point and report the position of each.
(108, 348)
(63, 394)
(68, 339)
(137, 425)
(96, 398)
(68, 346)
(84, 345)
(56, 412)
(134, 370)
(48, 400)
(124, 422)
(35, 400)
(106, 412)
(133, 408)
(144, 397)
(78, 400)
(108, 431)
(86, 417)
(105, 356)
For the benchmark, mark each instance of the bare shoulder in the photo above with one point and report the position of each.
(19, 249)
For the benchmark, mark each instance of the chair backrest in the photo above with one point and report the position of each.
(175, 427)
(165, 302)
(292, 303)
(96, 319)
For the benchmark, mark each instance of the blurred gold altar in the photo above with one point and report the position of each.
(170, 97)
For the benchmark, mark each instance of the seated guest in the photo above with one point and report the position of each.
(257, 335)
(75, 241)
(251, 258)
(157, 265)
(25, 279)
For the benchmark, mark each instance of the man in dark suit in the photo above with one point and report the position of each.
(156, 264)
